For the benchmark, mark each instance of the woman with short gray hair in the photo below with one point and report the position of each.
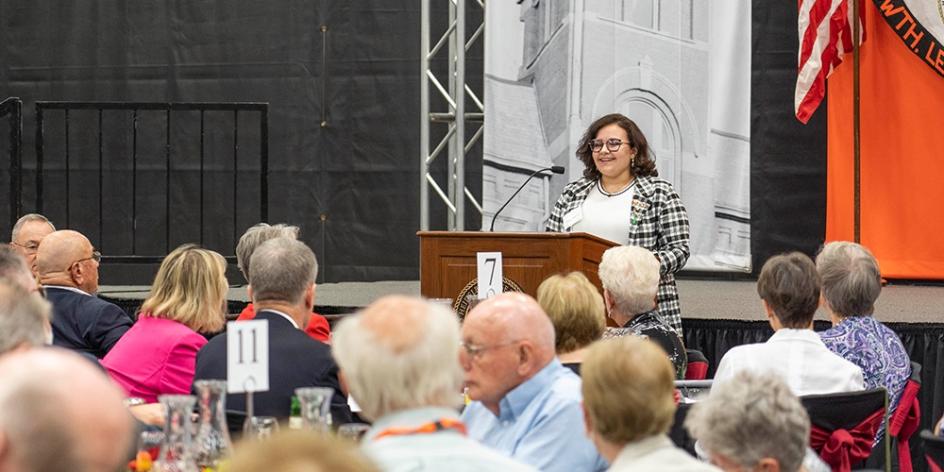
(752, 422)
(630, 279)
(318, 327)
(851, 284)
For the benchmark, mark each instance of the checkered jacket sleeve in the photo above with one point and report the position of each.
(672, 242)
(571, 198)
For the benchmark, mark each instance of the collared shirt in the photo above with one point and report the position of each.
(800, 358)
(649, 325)
(657, 453)
(440, 450)
(283, 315)
(71, 289)
(540, 423)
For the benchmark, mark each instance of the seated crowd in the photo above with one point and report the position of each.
(519, 384)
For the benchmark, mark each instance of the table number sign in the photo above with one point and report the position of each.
(247, 356)
(489, 274)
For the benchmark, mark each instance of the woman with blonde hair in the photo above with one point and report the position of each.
(575, 308)
(158, 354)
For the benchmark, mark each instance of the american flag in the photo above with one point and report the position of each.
(825, 28)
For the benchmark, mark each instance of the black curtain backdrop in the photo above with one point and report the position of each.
(788, 159)
(924, 343)
(343, 122)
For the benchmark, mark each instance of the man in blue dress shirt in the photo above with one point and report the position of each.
(525, 403)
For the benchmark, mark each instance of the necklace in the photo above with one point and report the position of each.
(618, 192)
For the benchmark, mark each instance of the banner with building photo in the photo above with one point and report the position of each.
(679, 68)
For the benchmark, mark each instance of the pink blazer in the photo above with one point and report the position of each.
(155, 357)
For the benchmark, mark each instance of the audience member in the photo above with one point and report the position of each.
(575, 308)
(628, 404)
(283, 273)
(24, 318)
(398, 358)
(525, 403)
(630, 278)
(59, 413)
(752, 422)
(68, 269)
(158, 354)
(317, 326)
(28, 232)
(851, 284)
(299, 451)
(13, 266)
(789, 287)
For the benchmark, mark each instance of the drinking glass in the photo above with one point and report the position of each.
(315, 407)
(353, 431)
(260, 427)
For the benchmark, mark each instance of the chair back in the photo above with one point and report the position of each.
(933, 450)
(843, 425)
(697, 365)
(905, 420)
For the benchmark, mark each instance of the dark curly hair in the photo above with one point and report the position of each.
(643, 164)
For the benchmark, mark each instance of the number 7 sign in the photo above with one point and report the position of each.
(489, 274)
(247, 356)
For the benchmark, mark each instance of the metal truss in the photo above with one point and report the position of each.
(455, 92)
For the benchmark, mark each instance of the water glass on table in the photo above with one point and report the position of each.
(260, 427)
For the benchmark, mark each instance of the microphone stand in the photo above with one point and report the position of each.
(554, 169)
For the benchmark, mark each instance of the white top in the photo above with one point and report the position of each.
(607, 216)
(71, 289)
(289, 318)
(800, 358)
(657, 453)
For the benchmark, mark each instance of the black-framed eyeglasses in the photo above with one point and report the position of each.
(96, 256)
(612, 144)
(476, 351)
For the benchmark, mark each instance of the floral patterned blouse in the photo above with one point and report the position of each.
(651, 326)
(876, 349)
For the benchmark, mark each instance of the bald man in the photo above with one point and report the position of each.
(59, 413)
(68, 270)
(398, 357)
(526, 404)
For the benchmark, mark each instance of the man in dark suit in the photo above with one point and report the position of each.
(68, 270)
(283, 273)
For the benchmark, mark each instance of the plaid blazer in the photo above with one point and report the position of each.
(658, 223)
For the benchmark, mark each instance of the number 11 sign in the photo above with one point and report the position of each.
(247, 356)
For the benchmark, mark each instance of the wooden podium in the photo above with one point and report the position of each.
(448, 261)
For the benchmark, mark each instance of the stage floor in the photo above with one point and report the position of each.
(703, 299)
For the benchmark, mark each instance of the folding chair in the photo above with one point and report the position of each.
(933, 450)
(697, 365)
(843, 425)
(905, 421)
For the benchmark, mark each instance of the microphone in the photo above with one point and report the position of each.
(554, 169)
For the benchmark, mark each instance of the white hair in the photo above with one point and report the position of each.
(750, 417)
(24, 317)
(383, 380)
(631, 275)
(851, 278)
(255, 236)
(27, 218)
(282, 269)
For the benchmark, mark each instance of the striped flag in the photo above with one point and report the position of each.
(825, 28)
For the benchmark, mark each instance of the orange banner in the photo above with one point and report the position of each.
(902, 129)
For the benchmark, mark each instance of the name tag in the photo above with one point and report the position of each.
(572, 217)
